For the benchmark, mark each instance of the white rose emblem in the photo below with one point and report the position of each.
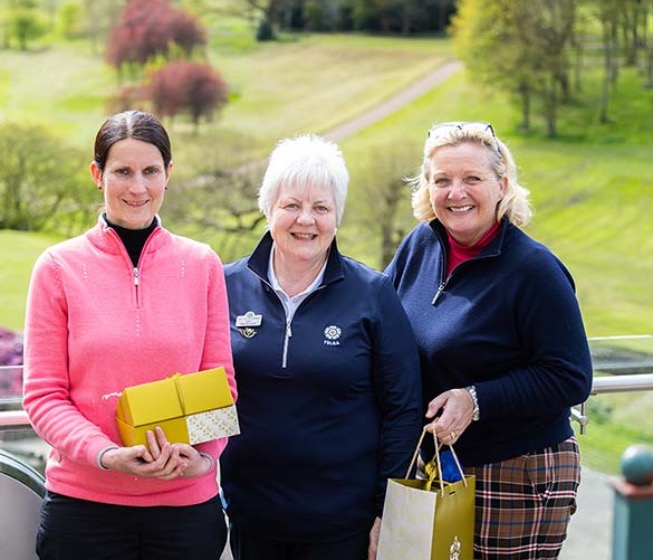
(332, 332)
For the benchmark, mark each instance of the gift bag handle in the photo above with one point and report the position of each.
(437, 458)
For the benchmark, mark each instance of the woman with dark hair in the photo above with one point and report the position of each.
(124, 304)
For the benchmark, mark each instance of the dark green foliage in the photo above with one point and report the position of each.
(264, 31)
(24, 23)
(598, 411)
(41, 185)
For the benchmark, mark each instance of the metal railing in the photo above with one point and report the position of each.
(615, 384)
(601, 385)
(618, 356)
(13, 419)
(628, 361)
(13, 416)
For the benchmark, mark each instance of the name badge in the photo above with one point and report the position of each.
(250, 319)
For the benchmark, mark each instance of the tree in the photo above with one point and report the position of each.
(70, 20)
(128, 97)
(521, 47)
(608, 13)
(220, 202)
(100, 16)
(150, 28)
(484, 31)
(40, 181)
(554, 25)
(384, 182)
(24, 23)
(270, 12)
(321, 15)
(647, 43)
(265, 15)
(192, 87)
(633, 16)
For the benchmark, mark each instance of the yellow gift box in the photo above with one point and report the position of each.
(190, 408)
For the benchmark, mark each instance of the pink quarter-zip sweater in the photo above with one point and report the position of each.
(95, 325)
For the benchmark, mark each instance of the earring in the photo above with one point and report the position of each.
(99, 187)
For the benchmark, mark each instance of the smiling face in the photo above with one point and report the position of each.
(303, 223)
(464, 190)
(133, 180)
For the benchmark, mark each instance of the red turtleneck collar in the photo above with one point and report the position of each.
(460, 253)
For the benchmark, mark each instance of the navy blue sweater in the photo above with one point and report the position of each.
(329, 407)
(507, 321)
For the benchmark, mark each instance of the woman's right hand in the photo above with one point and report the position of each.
(451, 413)
(159, 459)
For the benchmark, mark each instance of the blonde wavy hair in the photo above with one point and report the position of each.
(514, 204)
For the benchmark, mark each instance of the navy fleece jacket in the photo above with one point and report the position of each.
(506, 321)
(329, 405)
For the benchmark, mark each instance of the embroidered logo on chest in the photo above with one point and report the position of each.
(331, 335)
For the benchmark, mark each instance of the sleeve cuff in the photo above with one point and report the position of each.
(210, 458)
(101, 454)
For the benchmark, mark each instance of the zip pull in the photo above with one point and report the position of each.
(286, 339)
(136, 279)
(437, 294)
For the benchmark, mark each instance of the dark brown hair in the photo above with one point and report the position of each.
(131, 124)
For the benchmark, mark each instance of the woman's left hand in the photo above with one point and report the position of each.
(375, 532)
(184, 460)
(457, 409)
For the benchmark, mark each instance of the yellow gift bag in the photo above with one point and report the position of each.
(430, 518)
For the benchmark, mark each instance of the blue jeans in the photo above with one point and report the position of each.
(72, 529)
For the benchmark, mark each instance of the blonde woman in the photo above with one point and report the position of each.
(503, 348)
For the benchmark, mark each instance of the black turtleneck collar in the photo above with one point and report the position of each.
(133, 239)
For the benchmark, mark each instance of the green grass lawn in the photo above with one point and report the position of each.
(309, 84)
(320, 81)
(63, 88)
(18, 251)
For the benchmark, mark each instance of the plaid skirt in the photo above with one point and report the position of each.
(523, 504)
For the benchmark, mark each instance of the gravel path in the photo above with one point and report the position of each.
(396, 102)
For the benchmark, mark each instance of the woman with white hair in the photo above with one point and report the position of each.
(502, 345)
(328, 375)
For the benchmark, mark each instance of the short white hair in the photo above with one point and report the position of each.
(306, 159)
